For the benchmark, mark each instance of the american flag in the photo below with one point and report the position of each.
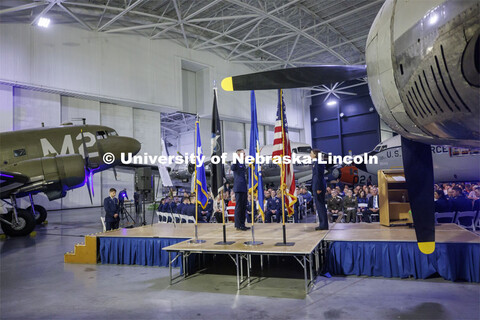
(281, 147)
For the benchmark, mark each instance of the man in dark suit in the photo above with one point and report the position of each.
(318, 189)
(442, 204)
(110, 204)
(240, 189)
(460, 203)
(373, 206)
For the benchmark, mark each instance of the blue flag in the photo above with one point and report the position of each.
(255, 182)
(200, 177)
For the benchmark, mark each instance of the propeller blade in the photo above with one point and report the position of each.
(90, 186)
(294, 77)
(418, 167)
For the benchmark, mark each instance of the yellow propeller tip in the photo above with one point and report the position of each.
(426, 247)
(227, 84)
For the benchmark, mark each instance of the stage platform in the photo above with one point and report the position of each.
(345, 249)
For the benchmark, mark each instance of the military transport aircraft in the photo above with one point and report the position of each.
(450, 164)
(53, 160)
(423, 67)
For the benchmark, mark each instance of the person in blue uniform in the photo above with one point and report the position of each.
(173, 205)
(274, 206)
(204, 215)
(189, 208)
(122, 195)
(460, 202)
(442, 204)
(318, 189)
(240, 189)
(110, 204)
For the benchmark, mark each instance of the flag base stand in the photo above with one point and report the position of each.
(224, 242)
(196, 240)
(284, 243)
(253, 243)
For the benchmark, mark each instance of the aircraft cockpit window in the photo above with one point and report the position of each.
(101, 135)
(378, 148)
(294, 150)
(112, 133)
(19, 152)
(305, 149)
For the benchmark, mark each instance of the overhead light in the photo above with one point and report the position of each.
(433, 19)
(331, 102)
(342, 115)
(43, 22)
(371, 109)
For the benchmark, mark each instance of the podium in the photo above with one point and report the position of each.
(393, 198)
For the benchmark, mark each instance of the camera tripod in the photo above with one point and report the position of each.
(125, 215)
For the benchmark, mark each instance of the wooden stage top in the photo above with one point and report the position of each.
(303, 234)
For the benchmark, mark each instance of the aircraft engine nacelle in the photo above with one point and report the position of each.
(48, 173)
(423, 69)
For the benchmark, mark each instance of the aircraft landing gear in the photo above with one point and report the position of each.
(39, 212)
(18, 222)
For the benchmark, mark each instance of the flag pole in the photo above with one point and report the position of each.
(282, 176)
(196, 240)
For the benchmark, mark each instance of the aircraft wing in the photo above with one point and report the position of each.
(9, 182)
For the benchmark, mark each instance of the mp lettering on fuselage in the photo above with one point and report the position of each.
(67, 145)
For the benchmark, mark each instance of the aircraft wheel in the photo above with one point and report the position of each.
(26, 224)
(40, 213)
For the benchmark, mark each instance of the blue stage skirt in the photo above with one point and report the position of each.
(139, 251)
(451, 261)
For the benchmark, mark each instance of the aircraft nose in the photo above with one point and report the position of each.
(132, 145)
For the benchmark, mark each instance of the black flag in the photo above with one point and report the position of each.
(217, 169)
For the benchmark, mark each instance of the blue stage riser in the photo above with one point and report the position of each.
(451, 261)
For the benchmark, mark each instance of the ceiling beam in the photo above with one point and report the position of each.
(23, 7)
(71, 14)
(44, 12)
(180, 22)
(121, 14)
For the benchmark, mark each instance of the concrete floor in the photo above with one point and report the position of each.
(36, 284)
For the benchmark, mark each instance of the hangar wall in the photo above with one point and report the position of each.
(124, 81)
(130, 70)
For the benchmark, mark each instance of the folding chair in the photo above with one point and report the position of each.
(190, 219)
(466, 219)
(230, 217)
(444, 217)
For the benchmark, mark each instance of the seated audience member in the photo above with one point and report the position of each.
(339, 192)
(189, 208)
(274, 206)
(173, 204)
(373, 206)
(356, 191)
(350, 206)
(450, 194)
(459, 201)
(249, 208)
(334, 207)
(231, 207)
(473, 195)
(362, 198)
(278, 216)
(328, 193)
(204, 215)
(182, 205)
(217, 209)
(442, 204)
(345, 190)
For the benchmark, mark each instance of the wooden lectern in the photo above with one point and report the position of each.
(393, 198)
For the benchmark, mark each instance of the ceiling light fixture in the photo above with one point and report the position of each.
(43, 22)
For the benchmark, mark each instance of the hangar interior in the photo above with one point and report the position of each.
(147, 69)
